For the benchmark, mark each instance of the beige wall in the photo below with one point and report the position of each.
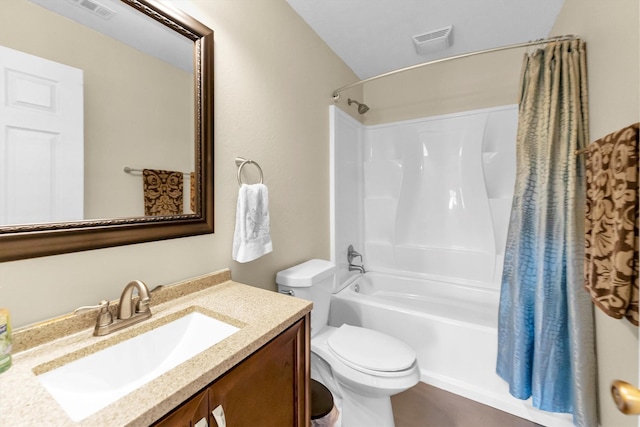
(273, 83)
(613, 50)
(459, 85)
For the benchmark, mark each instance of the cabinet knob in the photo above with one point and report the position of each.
(218, 415)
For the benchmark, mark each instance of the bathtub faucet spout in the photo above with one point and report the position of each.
(351, 254)
(359, 268)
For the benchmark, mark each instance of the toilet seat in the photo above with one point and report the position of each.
(363, 381)
(371, 352)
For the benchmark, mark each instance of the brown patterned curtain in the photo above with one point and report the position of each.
(611, 223)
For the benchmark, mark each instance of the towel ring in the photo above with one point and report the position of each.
(241, 164)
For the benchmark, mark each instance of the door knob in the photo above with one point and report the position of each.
(626, 397)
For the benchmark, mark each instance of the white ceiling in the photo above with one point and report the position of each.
(374, 36)
(128, 26)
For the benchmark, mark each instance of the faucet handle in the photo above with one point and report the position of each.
(104, 316)
(142, 306)
(352, 253)
(101, 305)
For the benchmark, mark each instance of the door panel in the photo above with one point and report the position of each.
(189, 414)
(265, 390)
(41, 140)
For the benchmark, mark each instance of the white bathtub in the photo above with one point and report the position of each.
(452, 327)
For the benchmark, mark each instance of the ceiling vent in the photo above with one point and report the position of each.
(433, 41)
(94, 7)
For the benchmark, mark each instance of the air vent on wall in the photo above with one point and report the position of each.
(94, 7)
(433, 41)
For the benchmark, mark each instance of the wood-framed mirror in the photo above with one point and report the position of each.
(142, 108)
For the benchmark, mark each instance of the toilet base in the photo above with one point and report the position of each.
(362, 411)
(355, 409)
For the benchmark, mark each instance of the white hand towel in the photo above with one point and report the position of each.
(251, 239)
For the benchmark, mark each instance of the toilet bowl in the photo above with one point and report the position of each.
(361, 367)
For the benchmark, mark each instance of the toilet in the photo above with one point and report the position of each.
(361, 367)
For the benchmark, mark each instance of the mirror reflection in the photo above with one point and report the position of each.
(89, 93)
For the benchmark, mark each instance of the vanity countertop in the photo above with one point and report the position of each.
(260, 314)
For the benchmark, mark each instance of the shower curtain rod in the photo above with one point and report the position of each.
(336, 93)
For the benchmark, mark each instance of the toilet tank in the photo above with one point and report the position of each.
(312, 280)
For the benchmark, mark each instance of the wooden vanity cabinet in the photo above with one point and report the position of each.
(268, 388)
(189, 413)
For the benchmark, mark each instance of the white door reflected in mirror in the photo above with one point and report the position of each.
(41, 140)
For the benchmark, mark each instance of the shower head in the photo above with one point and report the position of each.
(362, 108)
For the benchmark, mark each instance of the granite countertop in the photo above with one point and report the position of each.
(260, 314)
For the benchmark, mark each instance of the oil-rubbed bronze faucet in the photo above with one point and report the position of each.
(125, 309)
(127, 314)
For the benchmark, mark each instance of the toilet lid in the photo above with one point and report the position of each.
(371, 350)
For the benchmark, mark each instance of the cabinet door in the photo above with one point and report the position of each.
(270, 388)
(187, 415)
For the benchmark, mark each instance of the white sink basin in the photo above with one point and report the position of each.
(86, 385)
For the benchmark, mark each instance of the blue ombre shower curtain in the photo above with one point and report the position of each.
(546, 345)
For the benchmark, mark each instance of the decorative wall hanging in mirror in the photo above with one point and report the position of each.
(106, 125)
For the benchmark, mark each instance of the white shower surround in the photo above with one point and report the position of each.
(437, 195)
(427, 203)
(428, 198)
